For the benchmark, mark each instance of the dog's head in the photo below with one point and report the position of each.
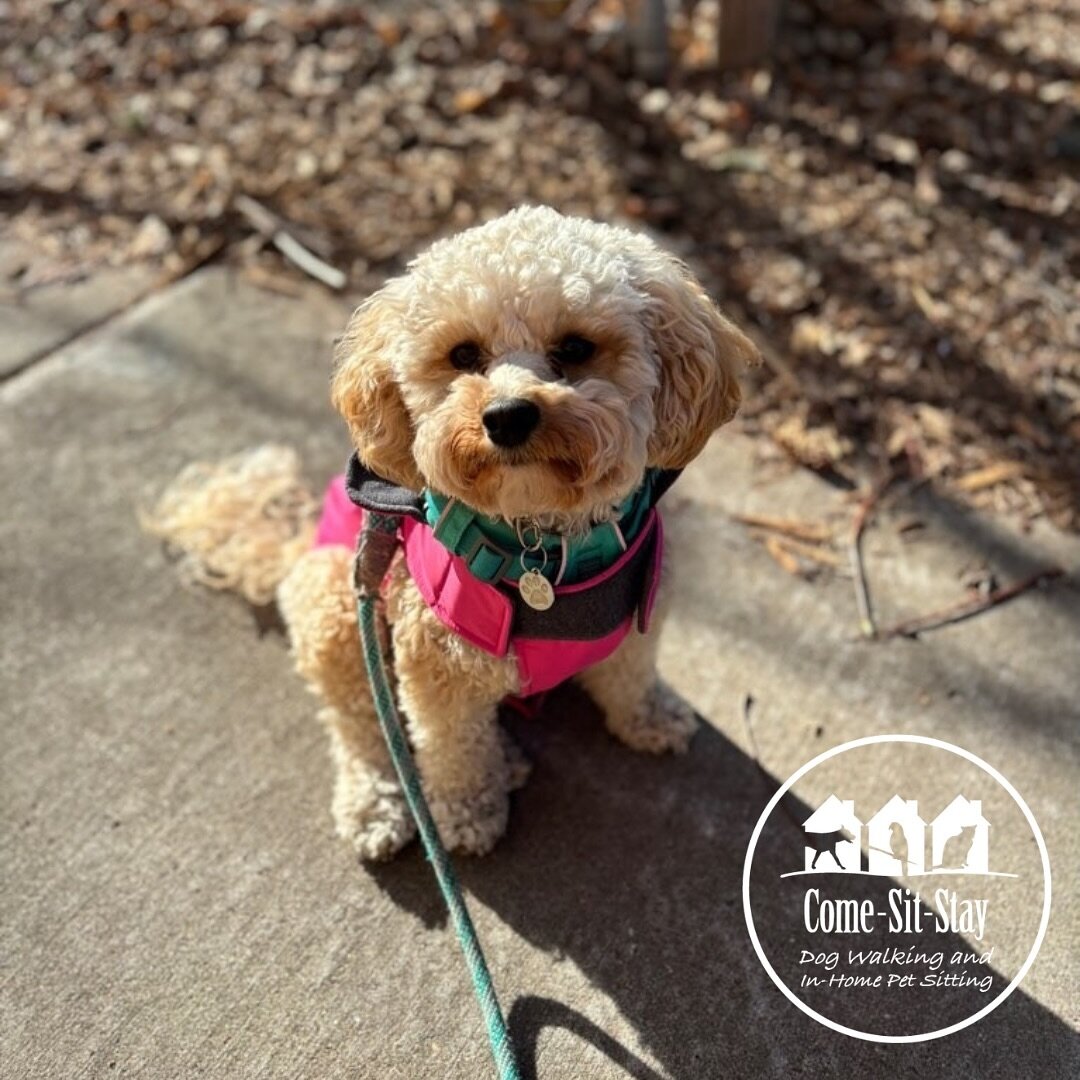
(535, 366)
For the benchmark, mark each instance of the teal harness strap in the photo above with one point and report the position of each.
(376, 546)
(493, 551)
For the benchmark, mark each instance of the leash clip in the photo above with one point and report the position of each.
(375, 547)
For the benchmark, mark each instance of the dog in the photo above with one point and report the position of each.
(529, 378)
(827, 843)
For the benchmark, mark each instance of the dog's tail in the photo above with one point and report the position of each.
(238, 524)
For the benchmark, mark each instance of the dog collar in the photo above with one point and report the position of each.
(496, 550)
(493, 549)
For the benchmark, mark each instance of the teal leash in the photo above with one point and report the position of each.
(375, 549)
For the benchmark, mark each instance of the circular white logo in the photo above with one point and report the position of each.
(897, 888)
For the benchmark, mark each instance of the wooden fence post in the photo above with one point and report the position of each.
(747, 31)
(647, 27)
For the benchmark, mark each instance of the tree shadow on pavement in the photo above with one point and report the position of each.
(1000, 401)
(631, 866)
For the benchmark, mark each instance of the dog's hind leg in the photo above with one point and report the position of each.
(317, 603)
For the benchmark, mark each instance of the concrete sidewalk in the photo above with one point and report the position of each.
(174, 901)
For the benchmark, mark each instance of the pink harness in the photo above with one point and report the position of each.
(483, 614)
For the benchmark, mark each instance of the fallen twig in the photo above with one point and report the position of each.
(966, 609)
(782, 556)
(267, 224)
(990, 476)
(823, 556)
(746, 708)
(814, 531)
(262, 278)
(60, 275)
(797, 557)
(311, 264)
(863, 512)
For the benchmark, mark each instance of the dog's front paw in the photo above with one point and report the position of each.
(663, 722)
(518, 766)
(472, 824)
(370, 812)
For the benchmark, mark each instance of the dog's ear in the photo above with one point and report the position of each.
(700, 354)
(365, 391)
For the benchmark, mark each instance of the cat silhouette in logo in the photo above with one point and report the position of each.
(823, 842)
(954, 855)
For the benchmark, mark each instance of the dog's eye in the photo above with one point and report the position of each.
(573, 350)
(467, 356)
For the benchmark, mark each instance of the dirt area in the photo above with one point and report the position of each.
(890, 203)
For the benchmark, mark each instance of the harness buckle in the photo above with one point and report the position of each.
(486, 561)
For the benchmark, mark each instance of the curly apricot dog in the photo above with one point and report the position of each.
(532, 384)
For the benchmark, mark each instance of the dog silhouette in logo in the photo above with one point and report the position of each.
(823, 842)
(954, 855)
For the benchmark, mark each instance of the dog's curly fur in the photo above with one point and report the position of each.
(662, 379)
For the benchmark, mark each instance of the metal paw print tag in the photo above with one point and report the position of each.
(536, 590)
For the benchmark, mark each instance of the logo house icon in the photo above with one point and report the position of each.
(833, 835)
(960, 838)
(896, 836)
(896, 840)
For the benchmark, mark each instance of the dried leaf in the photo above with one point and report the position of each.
(990, 476)
(817, 447)
(927, 306)
(469, 100)
(913, 285)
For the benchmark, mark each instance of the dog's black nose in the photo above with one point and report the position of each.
(510, 421)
